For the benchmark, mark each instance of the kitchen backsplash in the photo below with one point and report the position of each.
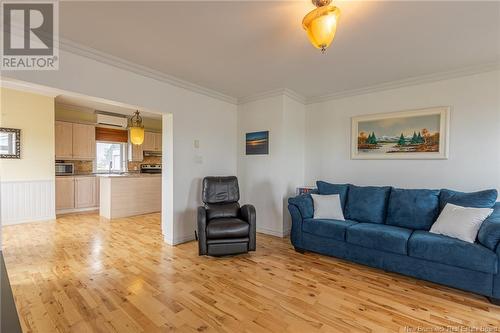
(83, 167)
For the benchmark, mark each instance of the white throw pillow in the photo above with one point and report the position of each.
(460, 222)
(327, 207)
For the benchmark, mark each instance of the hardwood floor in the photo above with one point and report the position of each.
(86, 274)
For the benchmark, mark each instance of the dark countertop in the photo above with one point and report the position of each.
(9, 320)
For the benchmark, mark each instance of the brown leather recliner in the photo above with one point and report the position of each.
(223, 226)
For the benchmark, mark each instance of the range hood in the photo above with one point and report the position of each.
(148, 153)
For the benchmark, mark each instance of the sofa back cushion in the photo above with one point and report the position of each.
(413, 209)
(367, 203)
(481, 199)
(325, 188)
(489, 233)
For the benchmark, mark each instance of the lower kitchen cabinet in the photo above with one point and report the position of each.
(76, 193)
(65, 193)
(86, 192)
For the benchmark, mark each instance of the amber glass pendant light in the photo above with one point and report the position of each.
(136, 129)
(321, 24)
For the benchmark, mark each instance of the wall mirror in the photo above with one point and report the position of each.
(10, 143)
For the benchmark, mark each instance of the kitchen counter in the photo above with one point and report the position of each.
(123, 195)
(127, 175)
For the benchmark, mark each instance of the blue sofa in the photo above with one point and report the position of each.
(388, 228)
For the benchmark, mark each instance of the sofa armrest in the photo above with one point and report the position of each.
(489, 233)
(249, 215)
(202, 230)
(296, 232)
(304, 203)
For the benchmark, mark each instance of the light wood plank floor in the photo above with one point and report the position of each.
(86, 274)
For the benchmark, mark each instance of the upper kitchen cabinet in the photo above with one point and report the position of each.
(152, 142)
(74, 141)
(158, 142)
(64, 140)
(83, 141)
(149, 141)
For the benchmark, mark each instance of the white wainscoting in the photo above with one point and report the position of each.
(27, 201)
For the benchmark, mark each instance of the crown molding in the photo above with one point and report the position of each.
(28, 87)
(273, 93)
(465, 71)
(88, 52)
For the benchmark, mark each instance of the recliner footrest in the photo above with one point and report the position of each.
(228, 248)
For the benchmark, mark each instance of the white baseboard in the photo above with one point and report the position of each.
(27, 201)
(271, 232)
(31, 220)
(180, 240)
(76, 210)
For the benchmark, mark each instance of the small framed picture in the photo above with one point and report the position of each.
(257, 143)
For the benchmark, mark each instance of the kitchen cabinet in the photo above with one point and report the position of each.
(86, 192)
(65, 193)
(83, 141)
(152, 142)
(149, 141)
(74, 141)
(157, 142)
(64, 140)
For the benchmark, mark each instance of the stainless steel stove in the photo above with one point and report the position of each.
(151, 168)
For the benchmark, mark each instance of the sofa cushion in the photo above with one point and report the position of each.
(414, 209)
(325, 188)
(227, 228)
(481, 199)
(452, 251)
(334, 229)
(379, 237)
(489, 233)
(367, 203)
(304, 203)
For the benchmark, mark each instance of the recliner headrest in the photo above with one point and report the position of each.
(220, 190)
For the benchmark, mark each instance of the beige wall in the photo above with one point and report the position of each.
(34, 115)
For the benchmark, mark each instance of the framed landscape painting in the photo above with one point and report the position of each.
(257, 143)
(416, 134)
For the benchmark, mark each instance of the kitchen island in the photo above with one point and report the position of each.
(123, 195)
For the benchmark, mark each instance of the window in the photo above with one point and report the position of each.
(111, 156)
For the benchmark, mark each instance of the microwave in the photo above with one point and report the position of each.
(63, 169)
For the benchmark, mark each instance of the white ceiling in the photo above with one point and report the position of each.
(242, 48)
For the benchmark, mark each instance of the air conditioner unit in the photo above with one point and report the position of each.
(111, 119)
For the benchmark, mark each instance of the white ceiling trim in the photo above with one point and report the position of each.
(273, 93)
(466, 71)
(28, 87)
(85, 51)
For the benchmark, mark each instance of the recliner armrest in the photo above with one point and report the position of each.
(249, 215)
(202, 230)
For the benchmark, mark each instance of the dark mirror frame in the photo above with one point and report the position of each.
(17, 133)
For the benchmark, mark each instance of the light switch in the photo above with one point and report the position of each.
(197, 143)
